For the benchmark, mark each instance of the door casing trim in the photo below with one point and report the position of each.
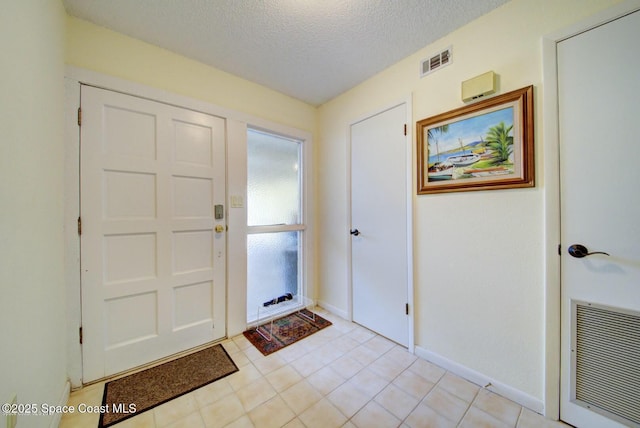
(407, 102)
(552, 287)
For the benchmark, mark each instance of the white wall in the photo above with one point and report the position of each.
(479, 256)
(32, 293)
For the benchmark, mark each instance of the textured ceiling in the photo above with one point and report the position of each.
(312, 50)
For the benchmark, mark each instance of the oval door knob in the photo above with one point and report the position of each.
(219, 228)
(579, 251)
(355, 232)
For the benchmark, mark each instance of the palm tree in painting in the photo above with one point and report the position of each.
(431, 135)
(499, 140)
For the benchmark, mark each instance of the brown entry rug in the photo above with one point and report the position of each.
(131, 395)
(286, 330)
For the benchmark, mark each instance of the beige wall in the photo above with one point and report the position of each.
(479, 256)
(98, 49)
(32, 314)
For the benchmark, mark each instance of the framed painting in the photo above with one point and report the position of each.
(482, 146)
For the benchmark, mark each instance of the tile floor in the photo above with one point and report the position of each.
(342, 376)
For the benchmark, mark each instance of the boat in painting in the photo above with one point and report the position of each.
(464, 160)
(440, 171)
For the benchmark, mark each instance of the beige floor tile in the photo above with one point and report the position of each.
(363, 355)
(194, 420)
(342, 326)
(325, 380)
(270, 363)
(427, 370)
(146, 420)
(345, 344)
(307, 365)
(348, 399)
(374, 415)
(401, 356)
(424, 416)
(301, 396)
(272, 414)
(212, 392)
(328, 353)
(346, 366)
(243, 422)
(446, 404)
(361, 335)
(413, 384)
(283, 378)
(241, 341)
(476, 418)
(388, 368)
(256, 393)
(369, 382)
(379, 344)
(252, 353)
(173, 410)
(343, 376)
(74, 420)
(222, 412)
(396, 401)
(323, 414)
(230, 346)
(295, 423)
(502, 409)
(244, 377)
(90, 395)
(531, 419)
(240, 359)
(459, 387)
(293, 352)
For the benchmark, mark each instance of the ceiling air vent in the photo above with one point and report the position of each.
(435, 62)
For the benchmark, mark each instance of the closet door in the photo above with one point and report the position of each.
(600, 208)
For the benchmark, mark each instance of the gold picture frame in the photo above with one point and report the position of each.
(482, 146)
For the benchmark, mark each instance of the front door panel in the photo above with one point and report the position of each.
(153, 266)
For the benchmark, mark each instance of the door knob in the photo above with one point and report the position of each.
(579, 251)
(355, 232)
(219, 228)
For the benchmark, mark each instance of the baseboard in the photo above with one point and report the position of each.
(488, 383)
(333, 310)
(64, 399)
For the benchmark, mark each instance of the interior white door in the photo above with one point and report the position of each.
(152, 262)
(379, 251)
(599, 93)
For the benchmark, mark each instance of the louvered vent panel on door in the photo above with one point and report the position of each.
(607, 361)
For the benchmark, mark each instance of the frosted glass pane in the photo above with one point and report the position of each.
(272, 268)
(273, 193)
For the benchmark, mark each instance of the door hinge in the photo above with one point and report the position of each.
(79, 226)
(405, 129)
(80, 334)
(79, 116)
(406, 309)
(559, 249)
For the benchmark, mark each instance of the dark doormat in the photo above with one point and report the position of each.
(285, 331)
(131, 395)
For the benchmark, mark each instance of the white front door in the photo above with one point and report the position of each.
(152, 262)
(379, 250)
(599, 99)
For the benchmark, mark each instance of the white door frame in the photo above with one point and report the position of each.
(236, 136)
(552, 196)
(407, 102)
